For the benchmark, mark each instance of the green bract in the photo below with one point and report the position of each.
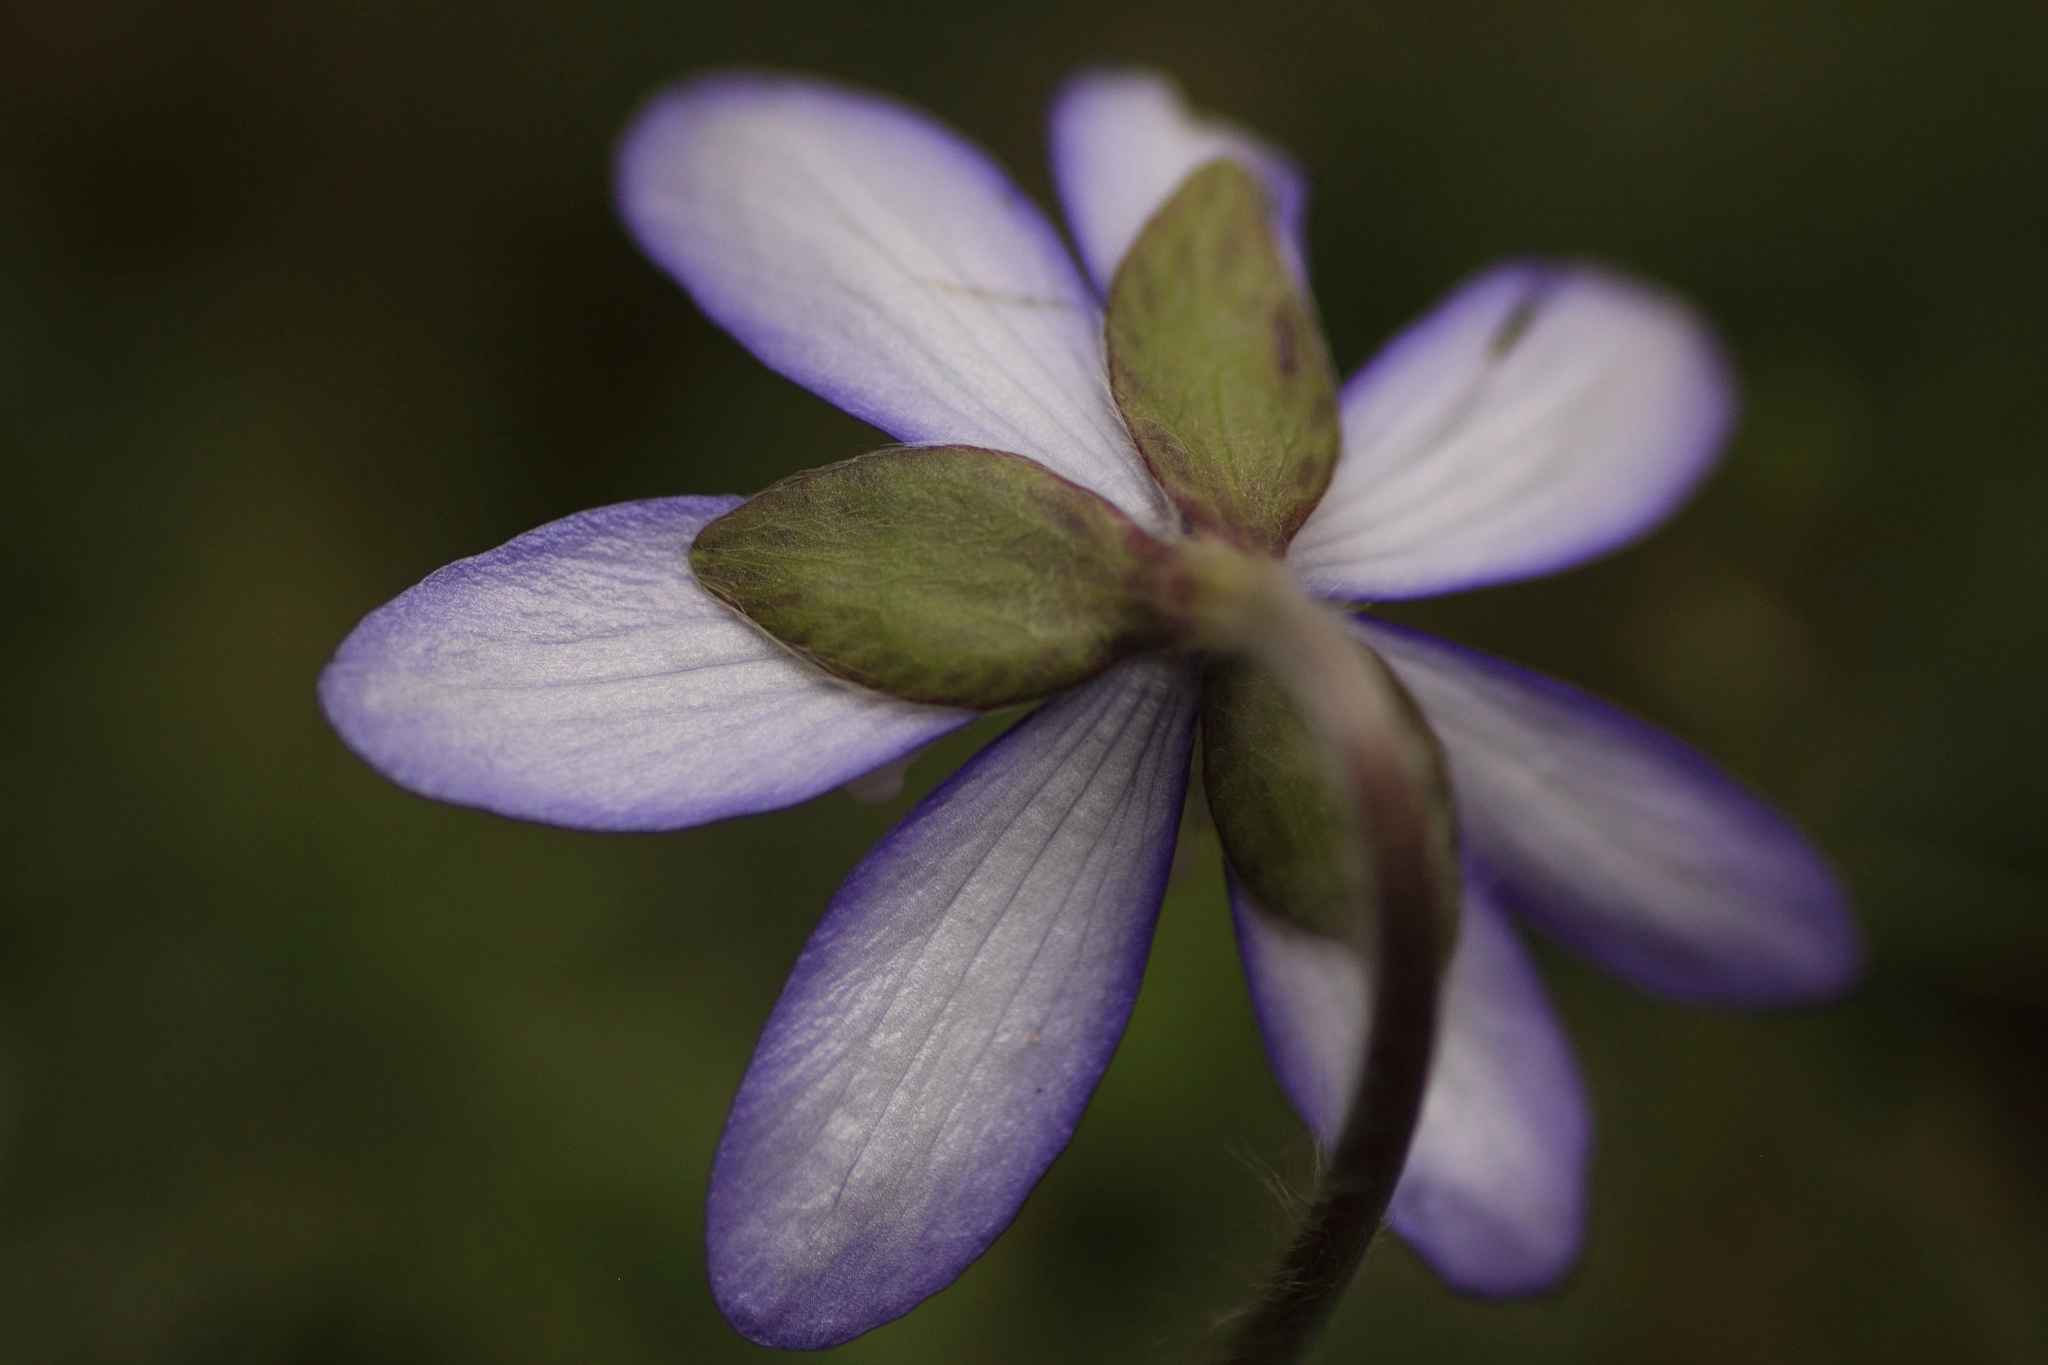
(1289, 837)
(945, 574)
(1218, 364)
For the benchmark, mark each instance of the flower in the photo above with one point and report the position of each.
(952, 1012)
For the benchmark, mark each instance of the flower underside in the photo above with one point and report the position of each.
(961, 576)
(1120, 487)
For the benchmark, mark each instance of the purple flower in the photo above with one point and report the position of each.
(954, 1009)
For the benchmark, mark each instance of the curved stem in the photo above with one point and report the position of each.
(1389, 766)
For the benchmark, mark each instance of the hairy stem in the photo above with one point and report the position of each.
(1388, 765)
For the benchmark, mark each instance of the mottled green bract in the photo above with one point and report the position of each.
(945, 574)
(1285, 830)
(1219, 366)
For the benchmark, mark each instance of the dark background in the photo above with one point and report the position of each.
(298, 302)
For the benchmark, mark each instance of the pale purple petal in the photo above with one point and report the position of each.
(884, 262)
(1122, 141)
(950, 1017)
(579, 675)
(1494, 1193)
(1624, 842)
(1310, 993)
(1544, 414)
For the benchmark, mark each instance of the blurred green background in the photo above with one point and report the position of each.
(299, 302)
